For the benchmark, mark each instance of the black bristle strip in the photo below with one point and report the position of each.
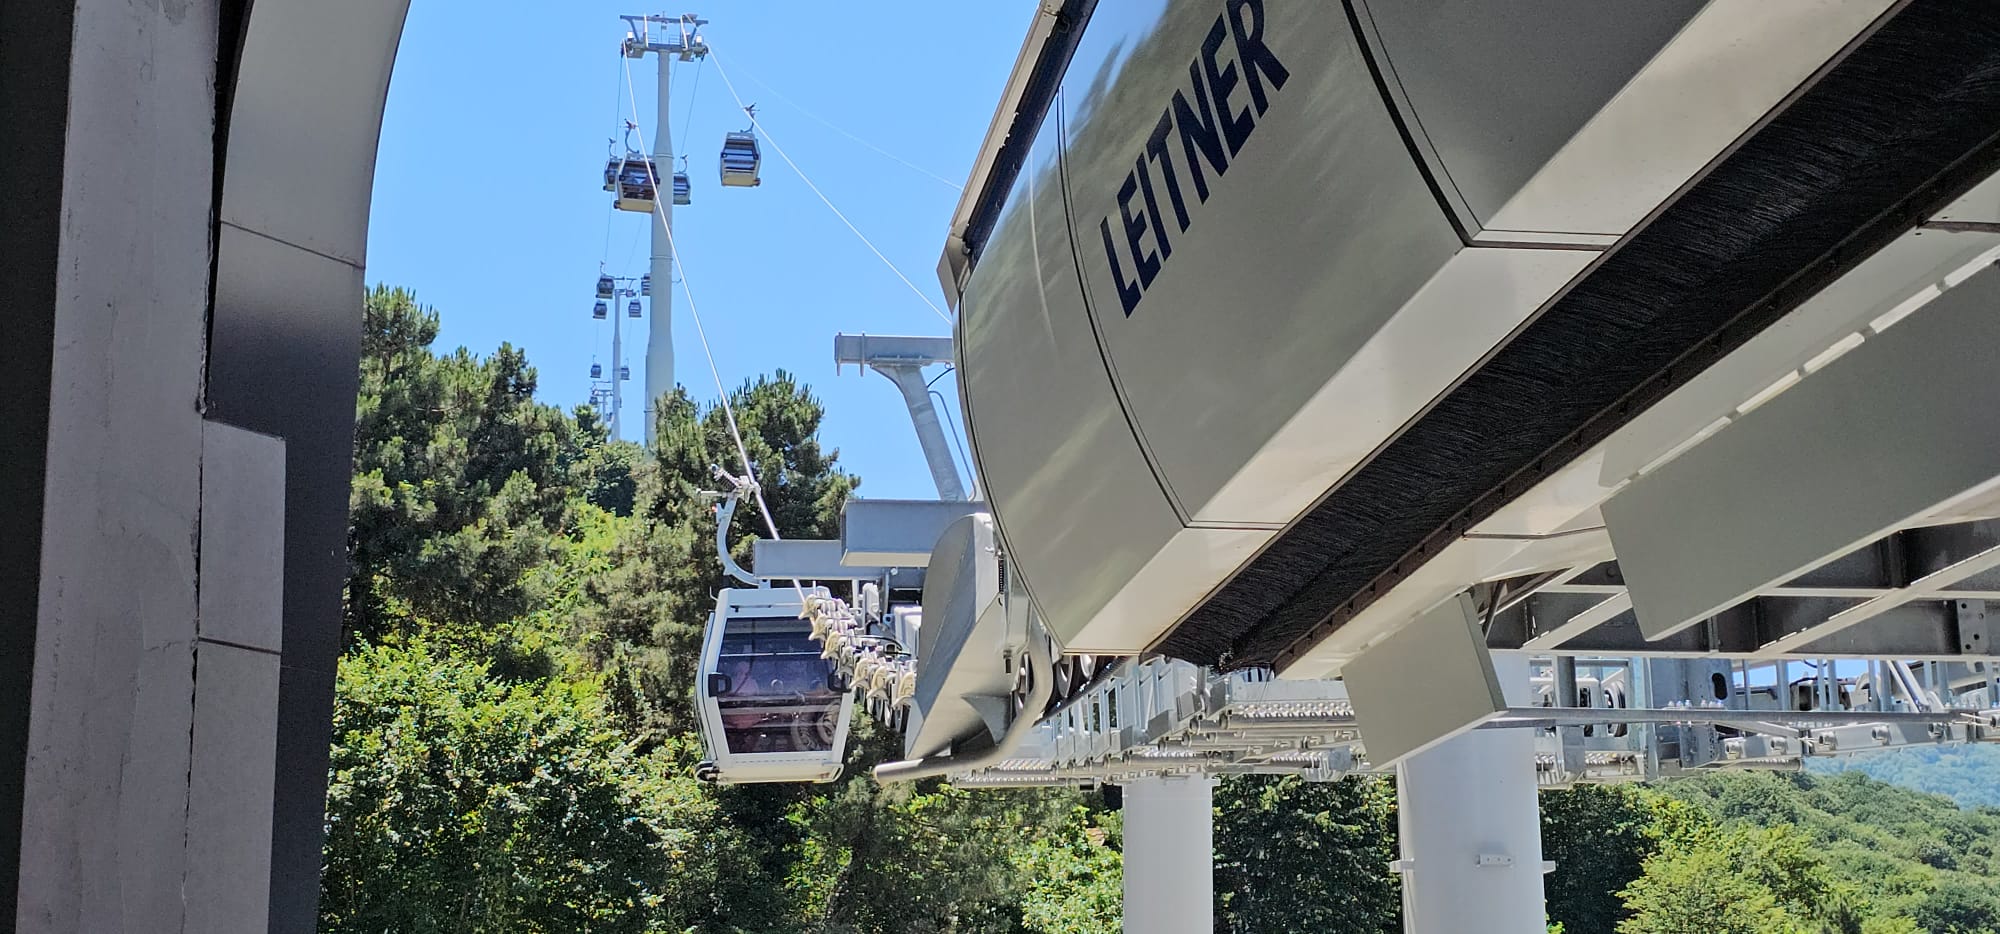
(1904, 124)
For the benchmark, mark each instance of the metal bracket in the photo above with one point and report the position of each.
(902, 360)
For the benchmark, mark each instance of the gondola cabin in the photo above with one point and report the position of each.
(741, 160)
(632, 309)
(625, 374)
(600, 311)
(646, 284)
(683, 191)
(597, 371)
(630, 180)
(606, 287)
(772, 709)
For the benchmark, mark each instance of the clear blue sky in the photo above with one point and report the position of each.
(488, 201)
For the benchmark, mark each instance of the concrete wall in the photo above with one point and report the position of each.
(34, 104)
(112, 700)
(188, 185)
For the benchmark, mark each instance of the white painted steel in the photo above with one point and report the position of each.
(1469, 559)
(966, 657)
(1127, 490)
(1401, 714)
(1169, 862)
(1273, 287)
(660, 326)
(1075, 500)
(1490, 95)
(1557, 520)
(952, 264)
(1474, 302)
(1471, 833)
(1719, 78)
(1881, 437)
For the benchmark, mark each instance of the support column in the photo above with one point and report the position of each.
(115, 330)
(1169, 856)
(1471, 830)
(660, 319)
(930, 433)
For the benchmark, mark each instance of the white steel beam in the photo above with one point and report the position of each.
(1886, 434)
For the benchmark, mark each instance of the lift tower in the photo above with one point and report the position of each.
(669, 37)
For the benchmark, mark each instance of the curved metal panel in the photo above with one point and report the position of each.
(1247, 216)
(305, 120)
(1071, 491)
(305, 114)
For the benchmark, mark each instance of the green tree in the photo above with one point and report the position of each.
(1699, 891)
(1958, 907)
(1075, 879)
(1292, 855)
(461, 804)
(1757, 879)
(461, 479)
(920, 859)
(1599, 837)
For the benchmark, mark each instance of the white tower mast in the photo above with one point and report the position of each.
(617, 360)
(668, 38)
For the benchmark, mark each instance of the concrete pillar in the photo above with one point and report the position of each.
(1170, 855)
(1471, 830)
(178, 457)
(104, 781)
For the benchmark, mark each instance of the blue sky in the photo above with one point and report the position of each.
(488, 200)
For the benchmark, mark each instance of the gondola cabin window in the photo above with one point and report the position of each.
(775, 695)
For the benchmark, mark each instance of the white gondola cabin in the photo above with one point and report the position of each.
(606, 287)
(632, 309)
(600, 311)
(625, 374)
(772, 709)
(683, 191)
(741, 160)
(630, 180)
(646, 284)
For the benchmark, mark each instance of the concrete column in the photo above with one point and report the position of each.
(111, 698)
(1471, 830)
(1170, 856)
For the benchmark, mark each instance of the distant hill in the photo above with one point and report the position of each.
(1969, 775)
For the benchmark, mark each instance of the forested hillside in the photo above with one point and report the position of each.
(1969, 775)
(1770, 853)
(513, 738)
